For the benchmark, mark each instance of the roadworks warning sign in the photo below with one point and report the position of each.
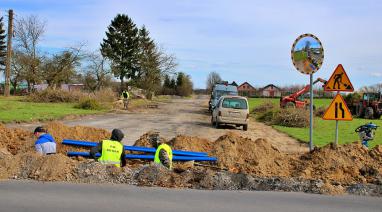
(338, 110)
(339, 81)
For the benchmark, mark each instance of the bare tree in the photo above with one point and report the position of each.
(18, 67)
(61, 67)
(167, 62)
(97, 74)
(28, 33)
(212, 79)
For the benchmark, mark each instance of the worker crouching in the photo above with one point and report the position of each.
(45, 143)
(112, 151)
(163, 153)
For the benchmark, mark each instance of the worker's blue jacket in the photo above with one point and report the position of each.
(45, 144)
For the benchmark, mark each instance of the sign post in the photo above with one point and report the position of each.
(307, 57)
(338, 110)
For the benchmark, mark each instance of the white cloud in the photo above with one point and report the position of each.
(376, 74)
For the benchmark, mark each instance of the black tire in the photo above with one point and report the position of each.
(369, 113)
(245, 127)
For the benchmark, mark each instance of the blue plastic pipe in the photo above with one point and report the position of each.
(135, 148)
(147, 157)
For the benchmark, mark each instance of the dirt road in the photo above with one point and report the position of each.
(179, 116)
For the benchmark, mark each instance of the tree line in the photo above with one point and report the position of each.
(127, 53)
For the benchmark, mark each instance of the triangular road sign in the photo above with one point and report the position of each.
(338, 110)
(339, 81)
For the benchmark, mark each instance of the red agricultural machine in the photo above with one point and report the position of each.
(369, 106)
(293, 101)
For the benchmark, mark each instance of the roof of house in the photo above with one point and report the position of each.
(270, 86)
(246, 83)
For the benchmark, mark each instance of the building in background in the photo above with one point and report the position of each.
(270, 91)
(246, 89)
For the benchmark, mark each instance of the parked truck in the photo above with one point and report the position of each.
(221, 89)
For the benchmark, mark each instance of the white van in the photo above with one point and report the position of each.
(231, 110)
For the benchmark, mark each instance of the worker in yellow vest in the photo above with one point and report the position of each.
(125, 98)
(112, 151)
(163, 153)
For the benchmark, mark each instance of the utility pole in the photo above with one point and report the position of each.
(7, 89)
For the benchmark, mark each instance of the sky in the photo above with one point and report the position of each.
(242, 40)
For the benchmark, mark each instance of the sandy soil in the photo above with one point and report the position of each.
(178, 117)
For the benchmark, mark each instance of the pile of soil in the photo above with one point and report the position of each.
(189, 143)
(251, 165)
(349, 163)
(60, 131)
(242, 155)
(16, 140)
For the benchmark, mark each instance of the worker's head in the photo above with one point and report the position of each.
(155, 139)
(117, 135)
(39, 131)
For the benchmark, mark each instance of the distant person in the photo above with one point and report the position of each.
(112, 150)
(163, 153)
(125, 97)
(45, 143)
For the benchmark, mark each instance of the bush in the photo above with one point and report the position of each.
(264, 107)
(89, 104)
(105, 95)
(319, 112)
(267, 116)
(50, 95)
(291, 117)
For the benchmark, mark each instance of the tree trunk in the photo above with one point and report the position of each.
(121, 87)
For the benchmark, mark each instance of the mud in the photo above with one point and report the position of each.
(251, 164)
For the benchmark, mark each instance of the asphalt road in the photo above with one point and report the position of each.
(34, 196)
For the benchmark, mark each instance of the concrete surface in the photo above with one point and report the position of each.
(34, 196)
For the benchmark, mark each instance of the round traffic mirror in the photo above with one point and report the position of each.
(307, 54)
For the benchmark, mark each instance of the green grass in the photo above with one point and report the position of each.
(14, 109)
(254, 102)
(324, 131)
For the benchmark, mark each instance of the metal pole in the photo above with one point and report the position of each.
(9, 55)
(311, 114)
(336, 139)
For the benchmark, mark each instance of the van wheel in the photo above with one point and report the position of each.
(245, 127)
(212, 121)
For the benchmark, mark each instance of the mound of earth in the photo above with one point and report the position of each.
(259, 157)
(60, 131)
(16, 140)
(349, 163)
(252, 164)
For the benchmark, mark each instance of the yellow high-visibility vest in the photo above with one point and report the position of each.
(168, 149)
(111, 152)
(127, 94)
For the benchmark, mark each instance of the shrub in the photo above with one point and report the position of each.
(50, 95)
(267, 116)
(264, 107)
(89, 104)
(291, 117)
(319, 112)
(105, 95)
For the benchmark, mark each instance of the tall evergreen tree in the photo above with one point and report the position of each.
(149, 68)
(3, 47)
(121, 47)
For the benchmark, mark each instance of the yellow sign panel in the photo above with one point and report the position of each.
(339, 81)
(338, 110)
